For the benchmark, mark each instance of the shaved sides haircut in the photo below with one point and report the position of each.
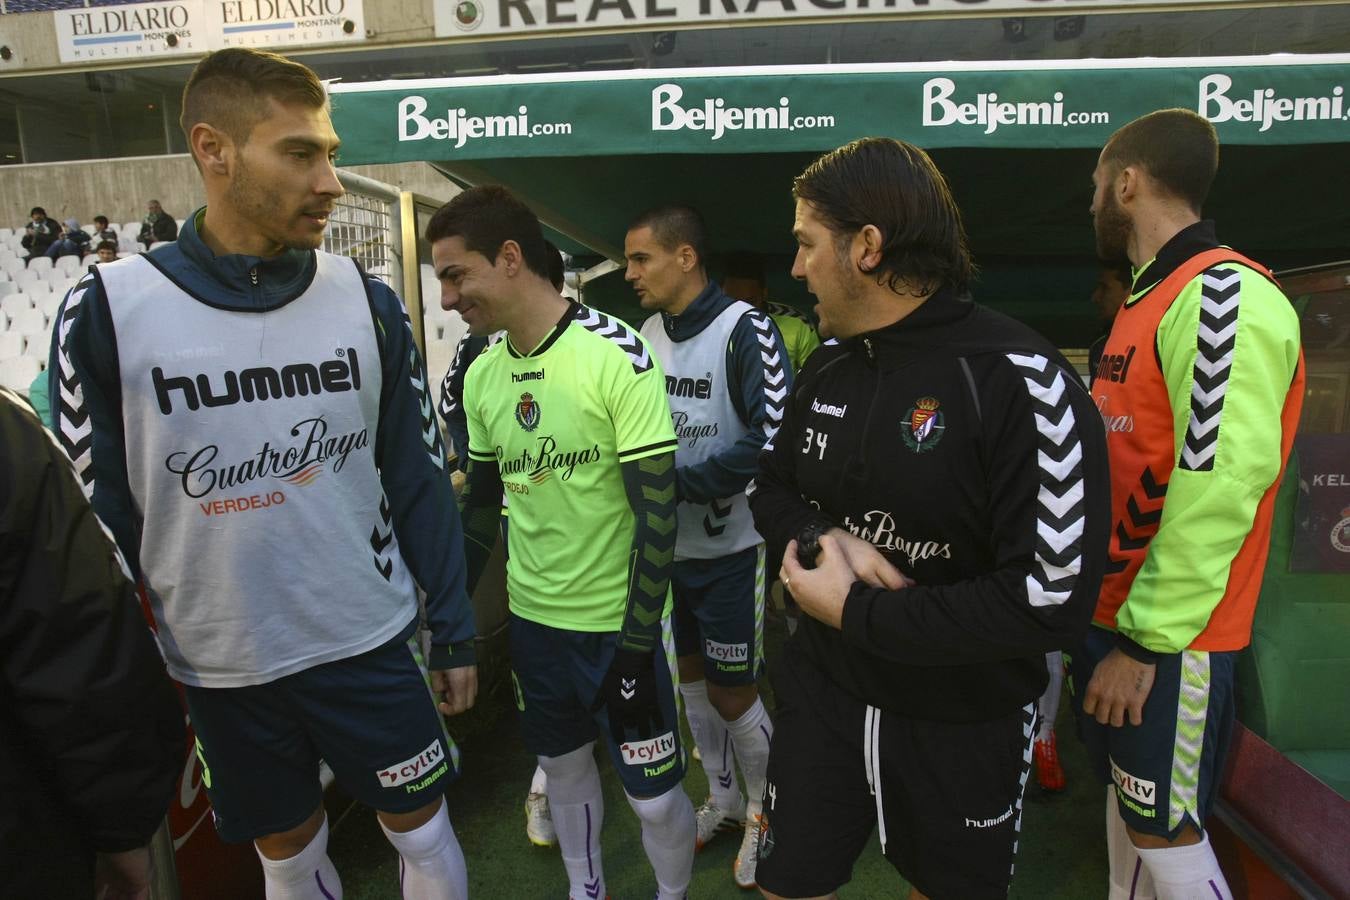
(1176, 147)
(230, 88)
(674, 226)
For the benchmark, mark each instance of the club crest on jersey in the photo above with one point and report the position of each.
(527, 412)
(923, 425)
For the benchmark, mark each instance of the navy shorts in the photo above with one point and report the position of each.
(557, 675)
(1166, 771)
(371, 717)
(945, 796)
(719, 614)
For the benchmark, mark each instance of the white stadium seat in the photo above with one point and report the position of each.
(12, 265)
(36, 287)
(90, 259)
(11, 344)
(29, 277)
(38, 347)
(68, 265)
(6, 233)
(51, 303)
(18, 373)
(40, 264)
(28, 322)
(8, 287)
(15, 303)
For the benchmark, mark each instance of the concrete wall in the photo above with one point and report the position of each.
(120, 188)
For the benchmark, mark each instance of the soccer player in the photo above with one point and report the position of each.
(940, 483)
(1203, 362)
(727, 377)
(538, 821)
(568, 414)
(743, 279)
(246, 412)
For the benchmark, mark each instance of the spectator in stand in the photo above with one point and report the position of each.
(107, 251)
(103, 231)
(157, 225)
(39, 233)
(91, 733)
(74, 241)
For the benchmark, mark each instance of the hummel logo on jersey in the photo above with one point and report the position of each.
(527, 376)
(627, 688)
(828, 409)
(636, 753)
(688, 387)
(1115, 367)
(260, 383)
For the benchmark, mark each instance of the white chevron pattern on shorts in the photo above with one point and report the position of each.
(1060, 508)
(619, 333)
(1216, 338)
(73, 422)
(775, 375)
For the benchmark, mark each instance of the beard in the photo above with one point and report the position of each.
(258, 205)
(1113, 232)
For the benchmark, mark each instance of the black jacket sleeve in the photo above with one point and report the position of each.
(1049, 500)
(86, 703)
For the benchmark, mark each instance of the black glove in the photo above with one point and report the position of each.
(629, 693)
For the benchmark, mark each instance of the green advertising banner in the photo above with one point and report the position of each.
(1254, 100)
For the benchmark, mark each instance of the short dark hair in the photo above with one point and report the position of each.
(488, 216)
(230, 88)
(741, 264)
(37, 211)
(896, 187)
(106, 245)
(557, 270)
(103, 219)
(1177, 147)
(673, 226)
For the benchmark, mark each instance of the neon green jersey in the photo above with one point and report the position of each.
(558, 422)
(799, 337)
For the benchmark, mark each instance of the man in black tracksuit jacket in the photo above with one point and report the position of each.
(951, 468)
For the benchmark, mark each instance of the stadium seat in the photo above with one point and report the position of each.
(37, 346)
(50, 303)
(6, 233)
(40, 264)
(12, 264)
(18, 373)
(127, 244)
(28, 321)
(90, 259)
(131, 229)
(35, 288)
(15, 303)
(7, 287)
(68, 265)
(11, 344)
(28, 278)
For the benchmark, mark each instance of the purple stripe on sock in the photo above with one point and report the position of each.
(766, 733)
(726, 749)
(323, 890)
(1215, 888)
(402, 867)
(590, 868)
(1134, 882)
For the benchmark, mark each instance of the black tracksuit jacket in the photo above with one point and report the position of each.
(962, 445)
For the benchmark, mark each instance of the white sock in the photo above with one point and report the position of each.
(431, 863)
(308, 875)
(714, 744)
(578, 810)
(668, 836)
(1049, 702)
(1129, 879)
(751, 735)
(1190, 872)
(539, 784)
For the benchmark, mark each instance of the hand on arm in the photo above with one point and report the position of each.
(458, 688)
